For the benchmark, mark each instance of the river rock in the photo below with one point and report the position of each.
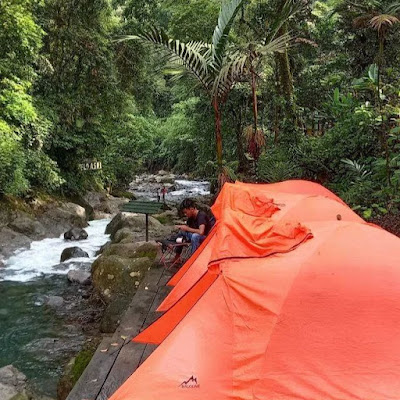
(54, 301)
(12, 383)
(75, 234)
(11, 376)
(81, 277)
(111, 205)
(133, 250)
(73, 252)
(162, 172)
(116, 276)
(123, 234)
(167, 217)
(58, 219)
(168, 179)
(133, 221)
(27, 226)
(11, 241)
(100, 215)
(102, 248)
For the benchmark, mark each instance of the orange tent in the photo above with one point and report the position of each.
(300, 201)
(288, 311)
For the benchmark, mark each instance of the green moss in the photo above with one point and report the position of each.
(151, 254)
(163, 219)
(81, 362)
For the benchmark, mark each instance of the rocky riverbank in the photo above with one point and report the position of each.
(92, 304)
(62, 317)
(22, 222)
(115, 276)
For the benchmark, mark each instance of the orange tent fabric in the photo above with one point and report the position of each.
(321, 321)
(299, 201)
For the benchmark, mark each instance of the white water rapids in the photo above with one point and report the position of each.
(43, 256)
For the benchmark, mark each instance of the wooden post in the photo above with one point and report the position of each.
(147, 227)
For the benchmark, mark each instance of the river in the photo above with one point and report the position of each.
(38, 339)
(35, 338)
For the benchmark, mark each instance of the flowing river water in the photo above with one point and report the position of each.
(38, 339)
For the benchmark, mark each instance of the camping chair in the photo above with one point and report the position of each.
(169, 252)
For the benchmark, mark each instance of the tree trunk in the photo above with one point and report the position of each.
(285, 77)
(255, 107)
(218, 134)
(238, 116)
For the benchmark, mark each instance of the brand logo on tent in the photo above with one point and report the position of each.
(191, 383)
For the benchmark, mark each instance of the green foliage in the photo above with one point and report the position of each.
(328, 102)
(181, 147)
(12, 162)
(128, 149)
(277, 166)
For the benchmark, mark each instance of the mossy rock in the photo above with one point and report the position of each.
(22, 396)
(113, 275)
(167, 217)
(124, 194)
(113, 314)
(125, 233)
(74, 369)
(136, 223)
(133, 250)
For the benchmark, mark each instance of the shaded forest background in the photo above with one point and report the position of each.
(328, 106)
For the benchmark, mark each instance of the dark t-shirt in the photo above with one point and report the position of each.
(201, 219)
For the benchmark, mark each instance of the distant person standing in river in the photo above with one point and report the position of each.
(163, 193)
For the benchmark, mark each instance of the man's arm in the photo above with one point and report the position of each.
(186, 228)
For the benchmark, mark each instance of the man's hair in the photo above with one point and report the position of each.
(187, 203)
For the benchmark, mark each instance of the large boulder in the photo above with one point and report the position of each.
(116, 276)
(73, 252)
(132, 221)
(26, 225)
(58, 219)
(125, 233)
(102, 248)
(11, 241)
(75, 234)
(103, 203)
(133, 250)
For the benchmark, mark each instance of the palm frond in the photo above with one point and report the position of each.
(227, 14)
(290, 8)
(188, 55)
(231, 71)
(384, 20)
(277, 45)
(393, 9)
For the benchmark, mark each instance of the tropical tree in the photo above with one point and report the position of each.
(374, 15)
(214, 67)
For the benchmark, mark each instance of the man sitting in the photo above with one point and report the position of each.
(197, 226)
